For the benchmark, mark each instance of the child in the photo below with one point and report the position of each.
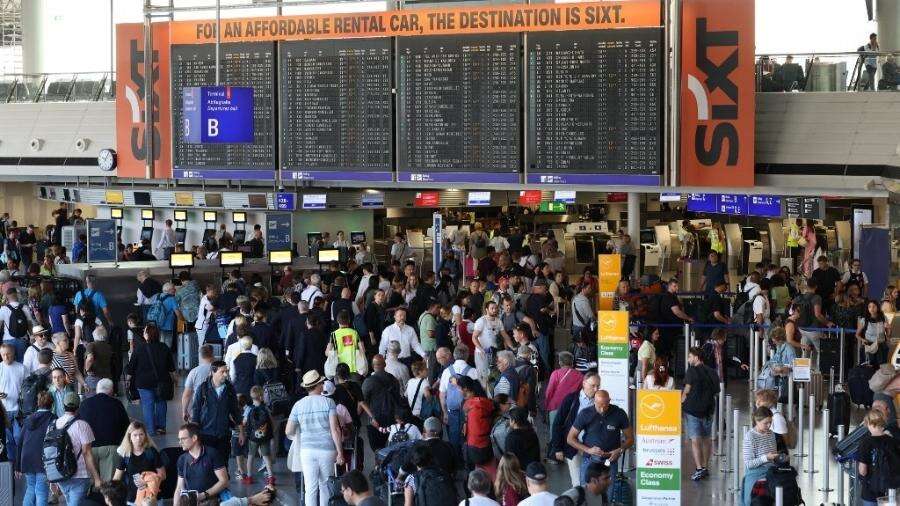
(135, 332)
(404, 430)
(239, 444)
(259, 425)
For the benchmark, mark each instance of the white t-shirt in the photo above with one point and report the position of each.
(499, 243)
(411, 430)
(539, 499)
(415, 392)
(31, 358)
(779, 423)
(479, 500)
(6, 315)
(650, 383)
(489, 328)
(311, 293)
(761, 307)
(81, 434)
(457, 368)
(11, 378)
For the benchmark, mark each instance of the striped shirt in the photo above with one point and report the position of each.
(67, 363)
(756, 447)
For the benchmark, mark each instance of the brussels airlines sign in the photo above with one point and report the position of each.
(717, 93)
(218, 114)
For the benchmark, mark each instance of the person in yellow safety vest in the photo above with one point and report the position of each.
(346, 341)
(717, 240)
(792, 243)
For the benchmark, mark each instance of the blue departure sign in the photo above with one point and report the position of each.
(735, 205)
(279, 231)
(217, 114)
(767, 206)
(702, 202)
(285, 201)
(101, 241)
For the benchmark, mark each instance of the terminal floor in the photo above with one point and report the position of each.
(717, 488)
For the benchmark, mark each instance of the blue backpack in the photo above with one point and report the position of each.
(158, 313)
(454, 393)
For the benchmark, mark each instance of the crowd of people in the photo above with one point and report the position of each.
(436, 373)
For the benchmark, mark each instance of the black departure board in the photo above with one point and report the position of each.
(336, 108)
(241, 64)
(458, 107)
(595, 106)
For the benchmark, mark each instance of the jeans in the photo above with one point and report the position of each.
(153, 409)
(20, 345)
(36, 489)
(318, 466)
(454, 429)
(613, 471)
(12, 435)
(543, 345)
(74, 490)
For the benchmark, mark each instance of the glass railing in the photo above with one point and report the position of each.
(835, 72)
(70, 87)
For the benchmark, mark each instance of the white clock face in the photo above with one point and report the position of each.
(106, 160)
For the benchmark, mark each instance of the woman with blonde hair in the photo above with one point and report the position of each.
(266, 367)
(509, 485)
(141, 462)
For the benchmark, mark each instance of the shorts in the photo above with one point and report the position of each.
(810, 338)
(698, 426)
(237, 449)
(263, 448)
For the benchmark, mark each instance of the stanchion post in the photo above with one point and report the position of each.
(687, 344)
(753, 372)
(810, 462)
(724, 435)
(840, 476)
(720, 421)
(826, 432)
(841, 355)
(790, 404)
(735, 451)
(801, 428)
(779, 496)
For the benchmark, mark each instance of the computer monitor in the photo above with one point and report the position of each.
(181, 261)
(147, 234)
(357, 237)
(116, 213)
(239, 217)
(67, 195)
(142, 198)
(231, 258)
(147, 214)
(240, 236)
(208, 233)
(257, 200)
(180, 234)
(180, 215)
(280, 257)
(212, 199)
(209, 216)
(329, 255)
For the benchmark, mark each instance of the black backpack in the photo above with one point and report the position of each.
(59, 457)
(434, 488)
(707, 392)
(401, 436)
(87, 302)
(259, 428)
(885, 464)
(804, 307)
(32, 385)
(384, 400)
(784, 476)
(18, 322)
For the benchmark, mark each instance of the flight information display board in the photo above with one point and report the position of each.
(458, 101)
(250, 64)
(594, 107)
(336, 110)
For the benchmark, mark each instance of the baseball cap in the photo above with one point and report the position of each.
(536, 472)
(71, 400)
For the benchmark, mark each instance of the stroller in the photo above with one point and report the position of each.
(391, 468)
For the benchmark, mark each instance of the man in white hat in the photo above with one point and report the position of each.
(320, 439)
(40, 337)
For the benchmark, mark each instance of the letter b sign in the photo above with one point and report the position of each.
(212, 127)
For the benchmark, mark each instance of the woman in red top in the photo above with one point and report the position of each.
(563, 381)
(464, 331)
(478, 412)
(509, 486)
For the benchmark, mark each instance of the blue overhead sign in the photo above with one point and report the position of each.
(767, 206)
(101, 241)
(702, 202)
(285, 201)
(732, 204)
(278, 231)
(217, 114)
(764, 206)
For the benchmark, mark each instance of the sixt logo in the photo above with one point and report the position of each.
(135, 99)
(717, 77)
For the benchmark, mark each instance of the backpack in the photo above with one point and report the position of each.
(454, 397)
(498, 435)
(804, 308)
(59, 457)
(400, 436)
(784, 476)
(384, 400)
(32, 385)
(744, 314)
(707, 391)
(158, 313)
(276, 398)
(18, 322)
(434, 488)
(884, 468)
(523, 395)
(740, 299)
(481, 242)
(259, 430)
(87, 301)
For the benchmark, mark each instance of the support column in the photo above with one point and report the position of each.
(32, 43)
(634, 216)
(887, 14)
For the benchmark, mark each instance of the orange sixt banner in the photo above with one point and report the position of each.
(131, 141)
(448, 21)
(717, 93)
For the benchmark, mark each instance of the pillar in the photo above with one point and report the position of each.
(32, 25)
(634, 216)
(887, 15)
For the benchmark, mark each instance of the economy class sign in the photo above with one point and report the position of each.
(413, 22)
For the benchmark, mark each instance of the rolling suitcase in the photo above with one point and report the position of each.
(816, 388)
(858, 385)
(839, 409)
(187, 351)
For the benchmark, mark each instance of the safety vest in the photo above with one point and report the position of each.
(346, 341)
(715, 243)
(793, 238)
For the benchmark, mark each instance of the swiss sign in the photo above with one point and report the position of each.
(529, 197)
(427, 199)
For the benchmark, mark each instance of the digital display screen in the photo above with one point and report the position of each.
(732, 204)
(239, 217)
(231, 258)
(372, 200)
(116, 213)
(479, 198)
(669, 197)
(115, 197)
(766, 206)
(552, 207)
(257, 200)
(357, 237)
(702, 202)
(142, 198)
(280, 257)
(184, 199)
(314, 201)
(181, 260)
(329, 255)
(213, 199)
(147, 214)
(147, 234)
(67, 195)
(209, 216)
(180, 215)
(564, 196)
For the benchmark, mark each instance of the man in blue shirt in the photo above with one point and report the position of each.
(714, 273)
(95, 297)
(603, 427)
(200, 468)
(171, 311)
(78, 249)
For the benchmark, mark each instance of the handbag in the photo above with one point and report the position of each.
(332, 361)
(164, 390)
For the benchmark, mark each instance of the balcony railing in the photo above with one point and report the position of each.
(71, 87)
(811, 72)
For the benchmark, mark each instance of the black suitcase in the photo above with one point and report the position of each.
(858, 385)
(839, 410)
(829, 354)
